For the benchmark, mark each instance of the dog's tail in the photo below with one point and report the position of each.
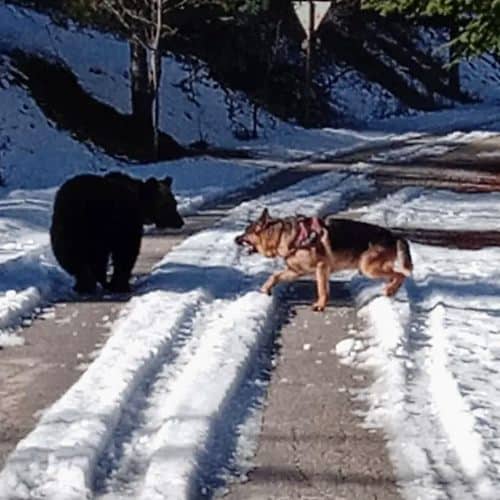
(403, 257)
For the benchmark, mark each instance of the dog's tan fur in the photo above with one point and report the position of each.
(343, 244)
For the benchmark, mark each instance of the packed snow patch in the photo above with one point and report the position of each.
(416, 207)
(433, 352)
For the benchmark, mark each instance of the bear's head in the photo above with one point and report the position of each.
(159, 204)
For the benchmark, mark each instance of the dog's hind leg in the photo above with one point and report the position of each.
(323, 286)
(378, 262)
(274, 279)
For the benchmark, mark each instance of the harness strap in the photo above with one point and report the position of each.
(308, 234)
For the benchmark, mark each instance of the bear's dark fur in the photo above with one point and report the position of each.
(97, 218)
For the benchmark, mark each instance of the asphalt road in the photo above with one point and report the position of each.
(311, 444)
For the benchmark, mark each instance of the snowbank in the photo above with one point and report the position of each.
(434, 352)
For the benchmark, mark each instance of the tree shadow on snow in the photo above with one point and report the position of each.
(65, 102)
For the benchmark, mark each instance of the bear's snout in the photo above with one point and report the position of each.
(174, 221)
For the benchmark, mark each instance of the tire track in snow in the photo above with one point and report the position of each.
(210, 356)
(439, 475)
(426, 426)
(480, 387)
(389, 334)
(436, 442)
(205, 337)
(221, 358)
(58, 458)
(120, 465)
(456, 363)
(454, 412)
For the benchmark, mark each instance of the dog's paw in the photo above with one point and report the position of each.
(390, 291)
(266, 290)
(318, 307)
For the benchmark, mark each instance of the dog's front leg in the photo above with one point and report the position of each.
(323, 286)
(274, 279)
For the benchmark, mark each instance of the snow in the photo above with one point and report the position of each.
(477, 117)
(415, 207)
(423, 147)
(434, 354)
(207, 277)
(163, 410)
(473, 71)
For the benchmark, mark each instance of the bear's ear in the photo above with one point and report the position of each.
(167, 181)
(150, 186)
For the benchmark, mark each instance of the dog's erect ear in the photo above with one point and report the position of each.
(264, 216)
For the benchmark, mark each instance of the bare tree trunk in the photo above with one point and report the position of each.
(144, 23)
(255, 120)
(309, 64)
(454, 70)
(142, 94)
(155, 76)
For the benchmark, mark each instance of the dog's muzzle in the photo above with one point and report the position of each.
(240, 240)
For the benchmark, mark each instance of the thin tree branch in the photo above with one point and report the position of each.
(122, 13)
(109, 6)
(132, 21)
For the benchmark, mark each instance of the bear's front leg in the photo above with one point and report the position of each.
(119, 284)
(124, 252)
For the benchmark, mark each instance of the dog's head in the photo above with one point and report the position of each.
(253, 238)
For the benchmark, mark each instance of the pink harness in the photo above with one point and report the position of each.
(309, 232)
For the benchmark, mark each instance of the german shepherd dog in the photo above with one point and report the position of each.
(320, 246)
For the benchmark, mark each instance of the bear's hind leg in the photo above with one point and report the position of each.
(100, 266)
(74, 261)
(85, 280)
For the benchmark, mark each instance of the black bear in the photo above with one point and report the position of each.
(96, 218)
